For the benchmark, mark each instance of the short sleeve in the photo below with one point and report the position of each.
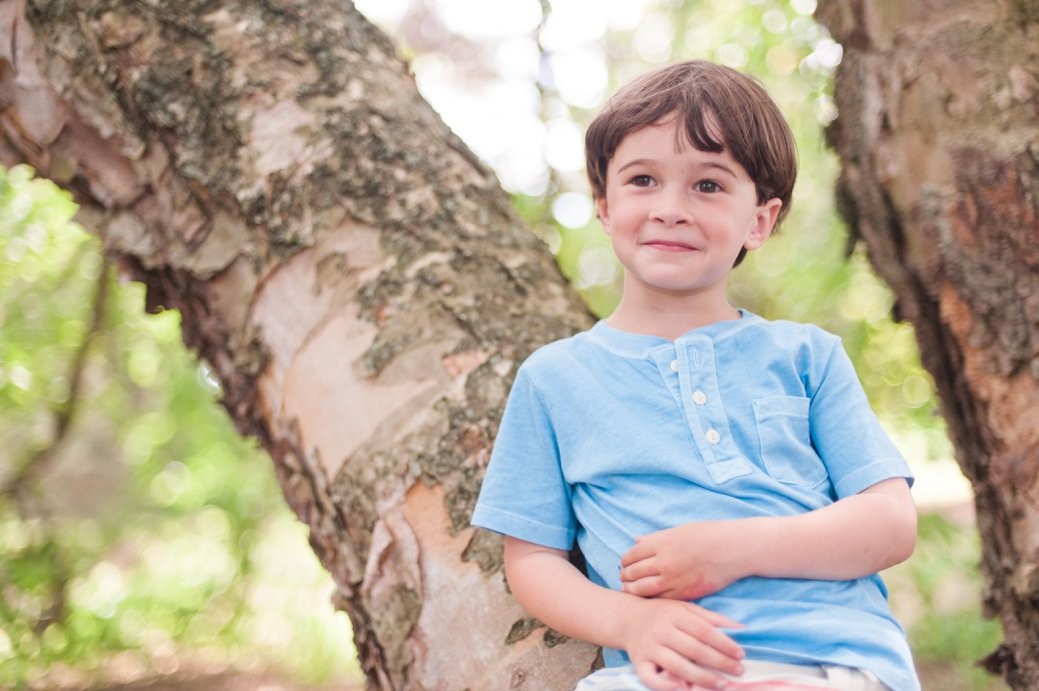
(524, 494)
(846, 433)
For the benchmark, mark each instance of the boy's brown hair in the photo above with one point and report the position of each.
(720, 109)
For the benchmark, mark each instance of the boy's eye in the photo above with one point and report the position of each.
(709, 186)
(641, 180)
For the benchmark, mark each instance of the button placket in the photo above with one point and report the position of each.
(705, 414)
(703, 432)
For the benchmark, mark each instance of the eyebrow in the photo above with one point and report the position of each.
(709, 164)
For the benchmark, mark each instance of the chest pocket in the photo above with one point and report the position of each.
(786, 444)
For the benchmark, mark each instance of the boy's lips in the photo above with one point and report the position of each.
(670, 245)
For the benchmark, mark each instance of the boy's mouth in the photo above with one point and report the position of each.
(670, 245)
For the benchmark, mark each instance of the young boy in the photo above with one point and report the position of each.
(697, 452)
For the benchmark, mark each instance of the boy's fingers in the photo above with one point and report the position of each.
(637, 553)
(637, 569)
(716, 619)
(678, 665)
(651, 586)
(653, 677)
(712, 649)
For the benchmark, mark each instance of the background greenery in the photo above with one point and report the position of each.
(140, 536)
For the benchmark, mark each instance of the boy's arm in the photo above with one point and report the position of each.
(852, 538)
(669, 642)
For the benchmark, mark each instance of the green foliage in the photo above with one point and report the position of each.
(138, 524)
(938, 589)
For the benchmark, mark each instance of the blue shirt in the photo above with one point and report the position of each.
(609, 435)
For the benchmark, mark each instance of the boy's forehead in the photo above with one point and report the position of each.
(682, 139)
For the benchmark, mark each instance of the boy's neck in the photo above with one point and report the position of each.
(668, 319)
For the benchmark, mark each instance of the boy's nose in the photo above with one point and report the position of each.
(671, 210)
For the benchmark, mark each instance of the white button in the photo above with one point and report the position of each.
(713, 437)
(674, 365)
(699, 397)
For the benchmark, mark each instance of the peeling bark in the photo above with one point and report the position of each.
(938, 136)
(357, 280)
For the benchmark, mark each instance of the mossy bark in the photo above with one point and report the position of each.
(356, 278)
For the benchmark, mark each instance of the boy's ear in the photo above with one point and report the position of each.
(603, 212)
(763, 223)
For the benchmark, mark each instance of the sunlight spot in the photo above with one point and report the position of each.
(101, 590)
(518, 57)
(36, 237)
(572, 23)
(623, 15)
(20, 377)
(596, 267)
(653, 39)
(481, 19)
(731, 54)
(774, 21)
(206, 379)
(18, 206)
(916, 391)
(572, 210)
(580, 76)
(697, 38)
(171, 484)
(805, 29)
(520, 164)
(827, 54)
(805, 7)
(564, 145)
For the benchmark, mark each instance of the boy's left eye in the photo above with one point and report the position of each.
(709, 186)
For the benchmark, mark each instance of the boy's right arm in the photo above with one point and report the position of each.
(672, 644)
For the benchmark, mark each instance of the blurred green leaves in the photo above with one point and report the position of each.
(137, 526)
(939, 591)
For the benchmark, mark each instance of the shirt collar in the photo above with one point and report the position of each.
(641, 345)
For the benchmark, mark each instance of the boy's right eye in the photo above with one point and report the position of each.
(641, 180)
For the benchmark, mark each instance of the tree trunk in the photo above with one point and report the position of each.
(355, 277)
(938, 135)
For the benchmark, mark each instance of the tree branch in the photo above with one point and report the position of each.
(64, 413)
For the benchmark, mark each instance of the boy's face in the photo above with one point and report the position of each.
(677, 217)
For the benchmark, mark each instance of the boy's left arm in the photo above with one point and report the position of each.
(852, 538)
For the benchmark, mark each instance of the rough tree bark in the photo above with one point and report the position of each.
(938, 136)
(356, 278)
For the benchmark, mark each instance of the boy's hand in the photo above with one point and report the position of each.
(683, 563)
(677, 645)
